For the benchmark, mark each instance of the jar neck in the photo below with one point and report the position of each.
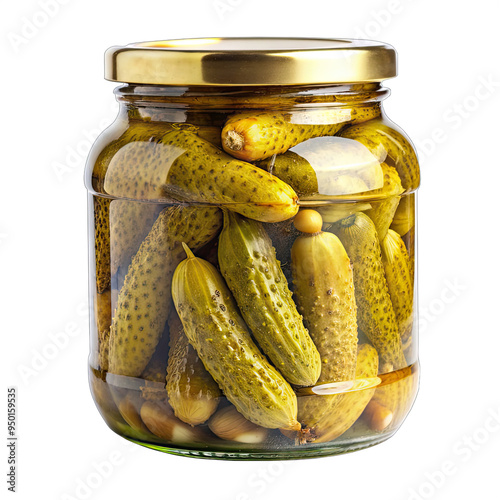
(150, 102)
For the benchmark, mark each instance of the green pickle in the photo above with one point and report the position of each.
(376, 317)
(102, 243)
(389, 144)
(253, 260)
(144, 300)
(324, 290)
(217, 331)
(130, 223)
(248, 263)
(175, 163)
(399, 281)
(327, 166)
(253, 137)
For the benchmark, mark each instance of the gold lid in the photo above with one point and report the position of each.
(251, 61)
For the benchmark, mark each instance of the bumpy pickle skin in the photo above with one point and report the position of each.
(192, 392)
(387, 142)
(293, 169)
(136, 131)
(144, 301)
(399, 281)
(325, 418)
(103, 315)
(248, 263)
(130, 222)
(324, 291)
(102, 243)
(257, 136)
(376, 316)
(382, 211)
(176, 163)
(221, 338)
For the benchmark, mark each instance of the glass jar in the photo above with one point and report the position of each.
(252, 249)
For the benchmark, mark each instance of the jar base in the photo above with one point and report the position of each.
(326, 450)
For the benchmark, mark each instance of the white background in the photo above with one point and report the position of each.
(54, 98)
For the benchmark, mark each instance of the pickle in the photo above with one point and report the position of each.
(326, 417)
(130, 222)
(177, 163)
(382, 211)
(404, 218)
(221, 338)
(328, 166)
(192, 392)
(248, 263)
(132, 131)
(144, 300)
(293, 169)
(397, 272)
(101, 240)
(388, 143)
(256, 136)
(324, 291)
(103, 324)
(376, 316)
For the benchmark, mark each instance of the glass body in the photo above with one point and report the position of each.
(252, 270)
